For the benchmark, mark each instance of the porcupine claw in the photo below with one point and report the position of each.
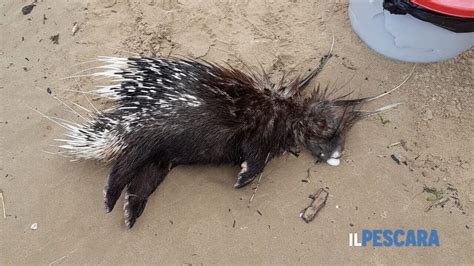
(108, 206)
(110, 198)
(145, 182)
(133, 208)
(246, 175)
(242, 181)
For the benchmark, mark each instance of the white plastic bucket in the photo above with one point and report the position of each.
(403, 37)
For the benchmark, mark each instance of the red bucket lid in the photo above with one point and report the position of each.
(457, 8)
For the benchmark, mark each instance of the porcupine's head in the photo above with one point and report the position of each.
(327, 122)
(326, 125)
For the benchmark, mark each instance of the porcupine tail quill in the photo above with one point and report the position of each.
(95, 141)
(97, 138)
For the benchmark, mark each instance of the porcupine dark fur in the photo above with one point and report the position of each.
(172, 111)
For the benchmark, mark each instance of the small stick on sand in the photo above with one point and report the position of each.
(56, 261)
(319, 201)
(61, 259)
(308, 177)
(256, 188)
(3, 205)
(258, 182)
(394, 144)
(436, 204)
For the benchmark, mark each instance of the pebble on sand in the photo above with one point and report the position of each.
(34, 226)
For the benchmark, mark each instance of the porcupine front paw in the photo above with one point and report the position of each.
(245, 176)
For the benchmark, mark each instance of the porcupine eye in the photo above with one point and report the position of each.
(328, 151)
(319, 150)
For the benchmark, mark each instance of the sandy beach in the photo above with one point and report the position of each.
(196, 217)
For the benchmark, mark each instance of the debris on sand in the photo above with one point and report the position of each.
(441, 197)
(319, 201)
(436, 197)
(55, 39)
(56, 261)
(427, 115)
(27, 9)
(3, 204)
(398, 158)
(383, 120)
(308, 177)
(34, 226)
(439, 202)
(435, 193)
(110, 3)
(258, 183)
(394, 144)
(75, 28)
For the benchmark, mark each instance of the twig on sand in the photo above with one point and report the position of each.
(57, 261)
(256, 188)
(258, 182)
(3, 205)
(394, 144)
(319, 201)
(308, 176)
(62, 258)
(439, 202)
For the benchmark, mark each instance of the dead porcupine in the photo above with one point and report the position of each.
(172, 111)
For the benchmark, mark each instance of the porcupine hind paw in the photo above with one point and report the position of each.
(110, 198)
(145, 182)
(123, 171)
(133, 208)
(112, 191)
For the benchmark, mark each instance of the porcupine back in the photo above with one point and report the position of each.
(168, 97)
